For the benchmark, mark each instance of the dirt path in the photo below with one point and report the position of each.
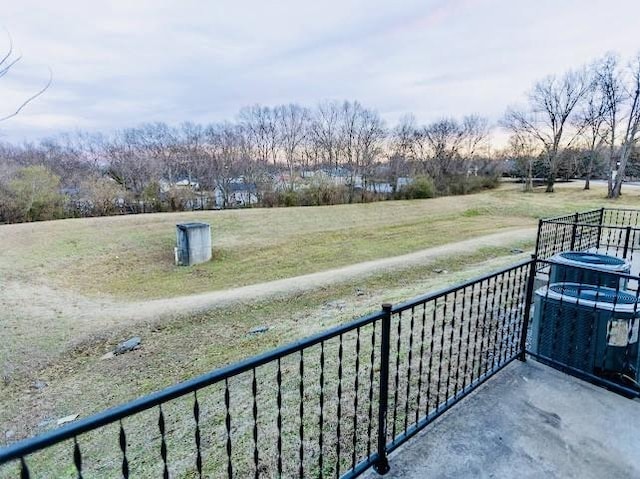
(45, 322)
(297, 284)
(42, 302)
(43, 318)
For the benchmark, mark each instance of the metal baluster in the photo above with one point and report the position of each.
(77, 457)
(521, 305)
(555, 239)
(506, 329)
(489, 312)
(498, 332)
(279, 419)
(444, 322)
(227, 402)
(456, 380)
(477, 348)
(450, 357)
(470, 344)
(397, 378)
(409, 359)
(301, 411)
(617, 231)
(381, 466)
(356, 386)
(540, 237)
(627, 237)
(24, 470)
(321, 418)
(163, 444)
(502, 317)
(432, 342)
(482, 351)
(256, 454)
(196, 416)
(339, 411)
(123, 447)
(371, 371)
(422, 328)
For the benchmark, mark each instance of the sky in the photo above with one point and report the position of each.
(117, 64)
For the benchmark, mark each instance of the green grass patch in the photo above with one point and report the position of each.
(132, 257)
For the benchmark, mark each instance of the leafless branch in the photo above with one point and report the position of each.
(30, 99)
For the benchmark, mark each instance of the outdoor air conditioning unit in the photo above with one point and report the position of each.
(569, 267)
(590, 328)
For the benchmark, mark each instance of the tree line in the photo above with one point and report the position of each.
(582, 123)
(337, 152)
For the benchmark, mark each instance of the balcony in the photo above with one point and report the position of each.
(443, 385)
(528, 421)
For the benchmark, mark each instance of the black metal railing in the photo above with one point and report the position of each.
(606, 230)
(586, 324)
(577, 231)
(332, 405)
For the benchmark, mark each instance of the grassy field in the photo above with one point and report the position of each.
(127, 258)
(131, 257)
(180, 348)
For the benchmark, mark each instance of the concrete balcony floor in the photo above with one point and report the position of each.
(528, 421)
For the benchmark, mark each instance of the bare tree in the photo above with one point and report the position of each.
(631, 122)
(224, 156)
(475, 132)
(524, 151)
(293, 125)
(325, 128)
(129, 162)
(547, 119)
(7, 62)
(610, 85)
(368, 145)
(401, 148)
(259, 122)
(591, 122)
(190, 146)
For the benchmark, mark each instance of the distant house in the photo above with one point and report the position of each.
(403, 181)
(237, 193)
(338, 175)
(185, 183)
(381, 188)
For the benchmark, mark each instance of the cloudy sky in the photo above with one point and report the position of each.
(121, 63)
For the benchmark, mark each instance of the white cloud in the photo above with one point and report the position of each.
(120, 63)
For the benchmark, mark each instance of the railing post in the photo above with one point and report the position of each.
(382, 464)
(527, 309)
(600, 225)
(540, 223)
(626, 242)
(574, 231)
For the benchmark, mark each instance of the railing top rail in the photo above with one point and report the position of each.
(620, 209)
(439, 293)
(568, 215)
(109, 416)
(589, 225)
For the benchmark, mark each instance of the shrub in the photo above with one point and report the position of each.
(421, 187)
(463, 184)
(33, 195)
